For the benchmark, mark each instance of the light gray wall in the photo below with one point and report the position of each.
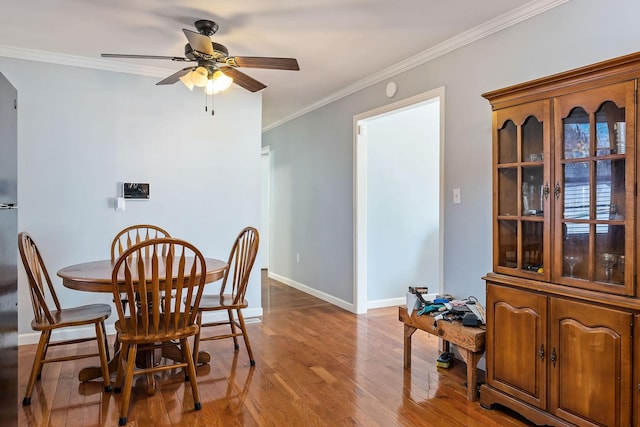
(312, 207)
(83, 131)
(403, 183)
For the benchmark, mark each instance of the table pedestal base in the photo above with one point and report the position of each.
(171, 352)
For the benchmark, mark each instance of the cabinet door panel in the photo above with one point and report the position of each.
(521, 187)
(590, 378)
(516, 333)
(594, 180)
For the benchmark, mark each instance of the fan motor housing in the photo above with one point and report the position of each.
(219, 51)
(206, 27)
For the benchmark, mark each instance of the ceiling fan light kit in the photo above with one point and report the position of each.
(215, 70)
(218, 82)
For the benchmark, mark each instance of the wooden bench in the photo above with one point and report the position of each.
(468, 339)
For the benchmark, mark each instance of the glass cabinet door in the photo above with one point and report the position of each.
(521, 182)
(593, 189)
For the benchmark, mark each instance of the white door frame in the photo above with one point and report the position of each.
(360, 192)
(265, 169)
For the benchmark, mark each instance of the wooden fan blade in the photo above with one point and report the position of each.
(265, 62)
(121, 55)
(198, 42)
(243, 80)
(175, 76)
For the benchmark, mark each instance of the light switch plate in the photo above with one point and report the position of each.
(456, 196)
(119, 203)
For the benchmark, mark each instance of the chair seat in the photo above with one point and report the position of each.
(171, 333)
(220, 302)
(76, 316)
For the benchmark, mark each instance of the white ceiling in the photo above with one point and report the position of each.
(339, 44)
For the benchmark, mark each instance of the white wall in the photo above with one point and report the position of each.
(403, 185)
(313, 157)
(81, 132)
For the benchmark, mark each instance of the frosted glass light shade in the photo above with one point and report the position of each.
(199, 76)
(186, 79)
(221, 80)
(218, 82)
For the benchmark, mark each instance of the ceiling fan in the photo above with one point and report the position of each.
(213, 68)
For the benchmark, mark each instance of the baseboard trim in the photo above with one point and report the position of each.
(390, 302)
(64, 334)
(314, 292)
(89, 331)
(247, 313)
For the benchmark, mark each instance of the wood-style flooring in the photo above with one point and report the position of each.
(316, 365)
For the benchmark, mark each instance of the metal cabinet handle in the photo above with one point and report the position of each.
(553, 357)
(546, 191)
(541, 353)
(557, 190)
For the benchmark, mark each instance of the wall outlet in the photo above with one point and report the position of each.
(297, 257)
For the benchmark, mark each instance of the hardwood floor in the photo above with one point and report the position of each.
(316, 365)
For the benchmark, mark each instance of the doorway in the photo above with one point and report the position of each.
(398, 202)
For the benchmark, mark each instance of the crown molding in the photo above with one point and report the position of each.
(488, 28)
(81, 61)
(524, 12)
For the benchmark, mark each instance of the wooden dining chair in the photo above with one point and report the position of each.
(50, 316)
(128, 237)
(232, 293)
(135, 234)
(142, 275)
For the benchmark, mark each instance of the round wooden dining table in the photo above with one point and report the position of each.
(95, 276)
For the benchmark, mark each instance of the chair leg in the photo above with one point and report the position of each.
(44, 355)
(191, 373)
(116, 343)
(196, 338)
(106, 340)
(124, 351)
(102, 351)
(233, 329)
(243, 327)
(128, 383)
(37, 365)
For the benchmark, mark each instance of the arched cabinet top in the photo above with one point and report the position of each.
(521, 113)
(592, 100)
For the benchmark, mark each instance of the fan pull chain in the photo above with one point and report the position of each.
(206, 103)
(212, 111)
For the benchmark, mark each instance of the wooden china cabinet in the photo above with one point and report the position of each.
(563, 310)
